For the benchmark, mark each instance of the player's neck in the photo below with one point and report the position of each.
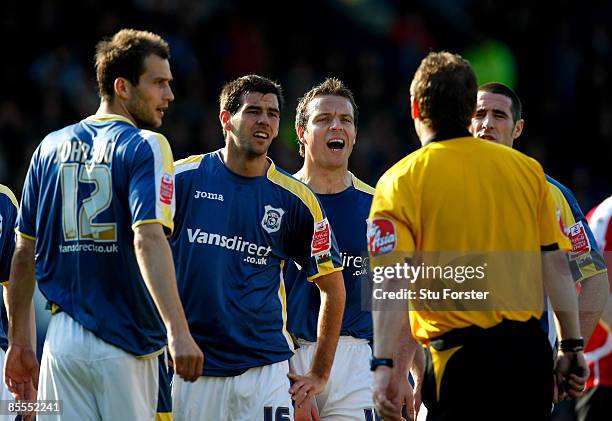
(246, 166)
(324, 180)
(423, 131)
(117, 108)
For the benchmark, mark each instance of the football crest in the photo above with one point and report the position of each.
(272, 218)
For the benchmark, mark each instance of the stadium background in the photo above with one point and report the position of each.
(558, 58)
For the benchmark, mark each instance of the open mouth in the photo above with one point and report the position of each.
(261, 135)
(486, 136)
(335, 144)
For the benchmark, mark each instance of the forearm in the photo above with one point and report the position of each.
(606, 315)
(591, 302)
(155, 261)
(333, 297)
(405, 350)
(560, 290)
(19, 293)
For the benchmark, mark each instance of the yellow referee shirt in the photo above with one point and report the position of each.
(467, 195)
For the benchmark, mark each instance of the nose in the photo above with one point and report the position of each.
(487, 122)
(263, 119)
(168, 94)
(335, 124)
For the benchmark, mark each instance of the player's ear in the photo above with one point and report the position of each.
(224, 118)
(518, 128)
(300, 133)
(122, 87)
(415, 113)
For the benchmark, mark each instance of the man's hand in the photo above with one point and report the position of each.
(307, 411)
(305, 387)
(571, 385)
(21, 372)
(188, 359)
(407, 396)
(387, 395)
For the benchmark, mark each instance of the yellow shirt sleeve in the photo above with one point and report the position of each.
(390, 225)
(551, 219)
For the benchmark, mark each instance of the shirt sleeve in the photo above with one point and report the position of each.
(391, 224)
(26, 221)
(317, 251)
(551, 230)
(8, 218)
(151, 190)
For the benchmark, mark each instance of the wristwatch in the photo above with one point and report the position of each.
(377, 362)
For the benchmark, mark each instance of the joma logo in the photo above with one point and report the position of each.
(208, 195)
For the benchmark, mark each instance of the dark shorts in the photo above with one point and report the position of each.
(501, 373)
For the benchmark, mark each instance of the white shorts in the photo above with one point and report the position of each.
(99, 381)
(348, 394)
(259, 394)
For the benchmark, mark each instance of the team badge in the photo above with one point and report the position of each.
(321, 240)
(381, 236)
(166, 189)
(272, 218)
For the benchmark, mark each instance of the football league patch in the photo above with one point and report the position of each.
(166, 189)
(381, 236)
(321, 238)
(579, 239)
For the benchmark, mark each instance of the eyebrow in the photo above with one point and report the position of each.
(494, 110)
(259, 107)
(328, 114)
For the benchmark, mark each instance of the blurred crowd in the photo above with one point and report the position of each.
(558, 62)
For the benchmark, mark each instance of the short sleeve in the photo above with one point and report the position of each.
(8, 218)
(550, 221)
(390, 225)
(151, 187)
(317, 251)
(26, 221)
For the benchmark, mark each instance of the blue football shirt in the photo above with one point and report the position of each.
(347, 212)
(233, 236)
(87, 187)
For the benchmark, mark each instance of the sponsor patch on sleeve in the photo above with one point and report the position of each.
(321, 238)
(579, 239)
(382, 238)
(167, 189)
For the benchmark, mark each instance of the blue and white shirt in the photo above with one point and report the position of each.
(347, 212)
(233, 236)
(87, 187)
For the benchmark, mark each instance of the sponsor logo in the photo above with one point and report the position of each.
(167, 189)
(272, 218)
(255, 253)
(381, 236)
(580, 242)
(321, 238)
(207, 195)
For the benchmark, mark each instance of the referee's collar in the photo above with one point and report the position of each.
(449, 133)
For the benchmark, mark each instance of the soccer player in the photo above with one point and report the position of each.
(98, 202)
(239, 219)
(325, 122)
(498, 119)
(594, 404)
(456, 194)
